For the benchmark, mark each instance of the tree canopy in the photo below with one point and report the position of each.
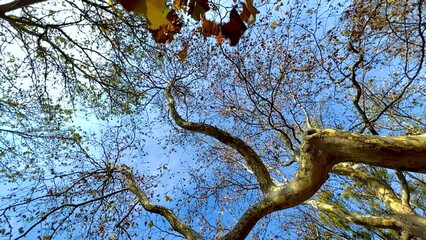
(133, 119)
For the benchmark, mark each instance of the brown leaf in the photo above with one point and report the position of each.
(182, 54)
(249, 12)
(235, 28)
(132, 5)
(165, 33)
(197, 8)
(209, 28)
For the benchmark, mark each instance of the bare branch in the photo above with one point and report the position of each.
(73, 207)
(359, 91)
(405, 196)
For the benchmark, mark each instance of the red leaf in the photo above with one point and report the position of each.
(165, 33)
(235, 28)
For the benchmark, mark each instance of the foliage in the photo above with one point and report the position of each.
(164, 21)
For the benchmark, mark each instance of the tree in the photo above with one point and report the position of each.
(319, 108)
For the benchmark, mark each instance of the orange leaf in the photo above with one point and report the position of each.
(178, 4)
(219, 38)
(182, 54)
(165, 33)
(209, 28)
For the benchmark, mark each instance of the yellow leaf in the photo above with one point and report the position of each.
(154, 11)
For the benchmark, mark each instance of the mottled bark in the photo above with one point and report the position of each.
(312, 173)
(320, 151)
(406, 153)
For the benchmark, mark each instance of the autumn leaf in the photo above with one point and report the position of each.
(209, 28)
(154, 11)
(164, 23)
(165, 33)
(235, 28)
(219, 39)
(182, 54)
(197, 8)
(179, 4)
(137, 6)
(249, 12)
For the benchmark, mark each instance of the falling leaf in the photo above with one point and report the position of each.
(151, 224)
(137, 6)
(197, 8)
(156, 13)
(182, 54)
(273, 24)
(249, 12)
(235, 28)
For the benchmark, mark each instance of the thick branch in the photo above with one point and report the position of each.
(320, 150)
(17, 4)
(379, 188)
(253, 160)
(177, 225)
(313, 171)
(405, 189)
(407, 153)
(368, 221)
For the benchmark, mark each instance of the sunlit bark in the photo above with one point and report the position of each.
(368, 221)
(406, 153)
